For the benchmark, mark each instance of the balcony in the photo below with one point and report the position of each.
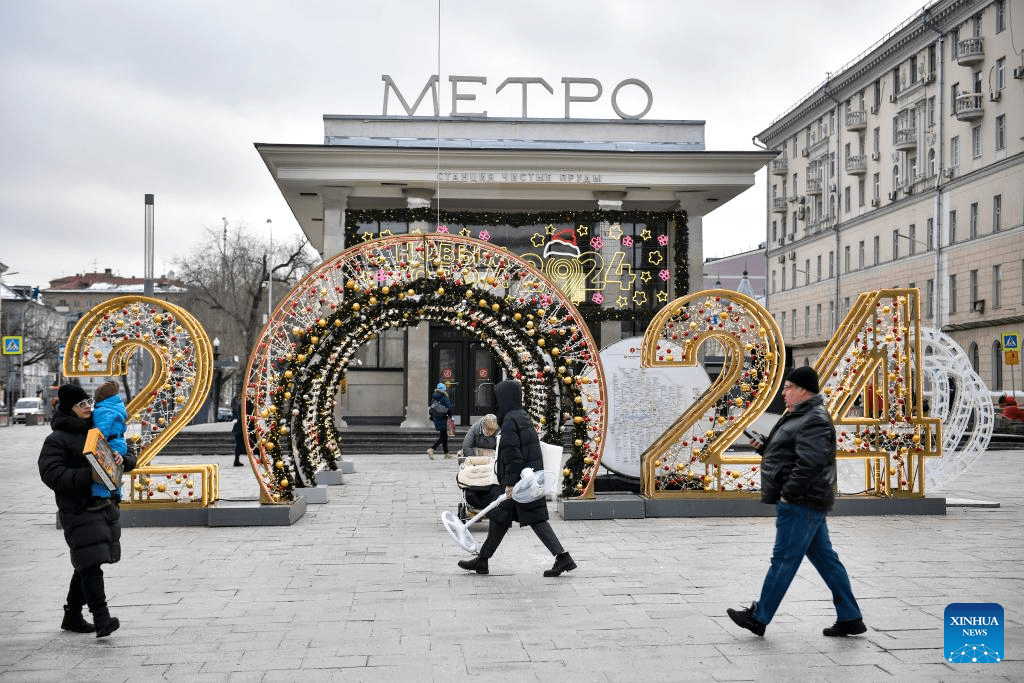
(969, 106)
(906, 138)
(857, 164)
(778, 204)
(814, 186)
(856, 120)
(780, 166)
(970, 51)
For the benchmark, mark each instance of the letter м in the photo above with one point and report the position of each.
(432, 85)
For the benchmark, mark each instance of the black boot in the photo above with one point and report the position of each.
(74, 621)
(105, 624)
(477, 564)
(745, 618)
(850, 627)
(563, 563)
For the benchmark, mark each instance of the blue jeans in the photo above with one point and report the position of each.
(802, 531)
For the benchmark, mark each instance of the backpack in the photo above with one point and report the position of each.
(438, 409)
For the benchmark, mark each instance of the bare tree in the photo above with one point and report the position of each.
(226, 275)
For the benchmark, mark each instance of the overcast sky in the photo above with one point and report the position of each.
(103, 101)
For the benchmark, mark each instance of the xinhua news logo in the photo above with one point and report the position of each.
(973, 633)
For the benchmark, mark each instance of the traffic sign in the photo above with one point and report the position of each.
(1012, 357)
(12, 346)
(60, 352)
(1011, 342)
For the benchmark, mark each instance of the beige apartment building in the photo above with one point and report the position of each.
(906, 168)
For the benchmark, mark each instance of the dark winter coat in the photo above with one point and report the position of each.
(93, 537)
(441, 421)
(519, 447)
(799, 458)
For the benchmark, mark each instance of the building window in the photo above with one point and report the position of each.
(895, 244)
(876, 248)
(782, 278)
(792, 323)
(952, 294)
(846, 199)
(817, 323)
(794, 277)
(782, 322)
(954, 91)
(876, 185)
(1001, 132)
(807, 271)
(912, 230)
(997, 213)
(931, 111)
(807, 321)
(831, 315)
(931, 163)
(1000, 73)
(930, 236)
(954, 41)
(861, 191)
(846, 258)
(831, 265)
(386, 351)
(1000, 16)
(997, 285)
(972, 286)
(952, 226)
(976, 142)
(954, 151)
(860, 255)
(773, 280)
(929, 299)
(972, 352)
(973, 220)
(819, 268)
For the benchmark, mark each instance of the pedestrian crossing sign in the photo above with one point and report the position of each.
(12, 346)
(1011, 342)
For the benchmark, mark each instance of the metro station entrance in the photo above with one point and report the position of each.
(469, 370)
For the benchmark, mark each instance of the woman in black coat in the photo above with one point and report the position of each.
(91, 525)
(518, 448)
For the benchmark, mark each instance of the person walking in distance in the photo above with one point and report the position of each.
(440, 407)
(798, 476)
(519, 448)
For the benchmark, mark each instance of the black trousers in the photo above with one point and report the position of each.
(442, 439)
(496, 532)
(87, 588)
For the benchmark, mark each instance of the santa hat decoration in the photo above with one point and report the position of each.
(563, 243)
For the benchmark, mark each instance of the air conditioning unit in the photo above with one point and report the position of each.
(805, 153)
(909, 189)
(875, 201)
(792, 256)
(978, 306)
(873, 109)
(782, 259)
(875, 156)
(1018, 72)
(800, 213)
(948, 172)
(893, 98)
(928, 78)
(893, 195)
(782, 241)
(995, 96)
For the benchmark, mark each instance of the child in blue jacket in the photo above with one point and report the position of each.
(110, 417)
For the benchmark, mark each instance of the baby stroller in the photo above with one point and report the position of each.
(478, 483)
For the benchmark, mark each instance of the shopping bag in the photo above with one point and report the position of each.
(451, 427)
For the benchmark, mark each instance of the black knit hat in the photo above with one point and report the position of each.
(804, 377)
(68, 395)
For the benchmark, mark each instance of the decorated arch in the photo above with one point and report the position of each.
(304, 351)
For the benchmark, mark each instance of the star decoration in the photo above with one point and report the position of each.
(368, 236)
(662, 297)
(654, 257)
(385, 233)
(645, 234)
(645, 276)
(621, 302)
(549, 229)
(583, 230)
(465, 232)
(537, 240)
(639, 297)
(615, 231)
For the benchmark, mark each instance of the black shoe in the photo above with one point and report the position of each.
(73, 621)
(745, 618)
(563, 563)
(238, 464)
(850, 627)
(477, 564)
(105, 628)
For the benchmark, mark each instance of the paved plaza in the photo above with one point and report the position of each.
(365, 588)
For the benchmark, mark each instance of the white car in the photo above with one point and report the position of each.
(27, 406)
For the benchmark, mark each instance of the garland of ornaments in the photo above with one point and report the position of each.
(300, 360)
(463, 221)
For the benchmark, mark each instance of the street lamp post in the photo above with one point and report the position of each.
(216, 379)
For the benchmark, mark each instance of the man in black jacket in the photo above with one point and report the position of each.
(798, 475)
